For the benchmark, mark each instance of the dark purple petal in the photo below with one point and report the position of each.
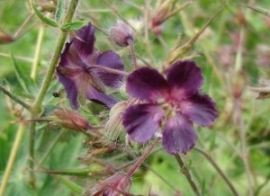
(99, 97)
(70, 88)
(147, 84)
(142, 121)
(111, 60)
(178, 135)
(200, 109)
(69, 58)
(185, 78)
(84, 40)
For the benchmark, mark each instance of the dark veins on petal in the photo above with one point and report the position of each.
(111, 60)
(71, 89)
(75, 73)
(142, 121)
(200, 108)
(147, 84)
(178, 135)
(84, 40)
(185, 78)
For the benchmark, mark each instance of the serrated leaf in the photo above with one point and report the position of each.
(60, 10)
(73, 26)
(24, 81)
(42, 17)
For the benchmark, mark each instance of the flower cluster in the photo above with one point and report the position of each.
(165, 106)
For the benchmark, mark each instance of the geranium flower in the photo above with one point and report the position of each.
(168, 106)
(80, 72)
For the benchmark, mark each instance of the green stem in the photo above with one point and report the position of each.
(186, 172)
(133, 54)
(223, 175)
(38, 51)
(55, 58)
(12, 158)
(15, 98)
(244, 150)
(32, 135)
(110, 70)
(142, 158)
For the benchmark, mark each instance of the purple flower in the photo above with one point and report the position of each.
(168, 106)
(79, 73)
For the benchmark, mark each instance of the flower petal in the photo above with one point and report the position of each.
(70, 88)
(84, 40)
(142, 121)
(147, 84)
(185, 78)
(99, 97)
(199, 108)
(113, 61)
(69, 58)
(178, 135)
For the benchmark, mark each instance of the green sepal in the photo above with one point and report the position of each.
(42, 17)
(60, 10)
(73, 26)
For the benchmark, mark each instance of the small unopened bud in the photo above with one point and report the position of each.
(5, 38)
(121, 34)
(118, 184)
(161, 12)
(71, 120)
(115, 131)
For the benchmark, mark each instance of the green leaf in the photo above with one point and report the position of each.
(73, 25)
(24, 81)
(71, 185)
(42, 17)
(60, 10)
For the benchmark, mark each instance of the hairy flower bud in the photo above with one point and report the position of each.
(71, 120)
(115, 131)
(112, 186)
(121, 34)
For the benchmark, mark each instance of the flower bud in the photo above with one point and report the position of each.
(115, 131)
(71, 120)
(5, 38)
(112, 186)
(161, 12)
(121, 34)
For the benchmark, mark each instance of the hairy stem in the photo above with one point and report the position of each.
(186, 172)
(132, 52)
(142, 158)
(15, 98)
(32, 134)
(110, 70)
(245, 152)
